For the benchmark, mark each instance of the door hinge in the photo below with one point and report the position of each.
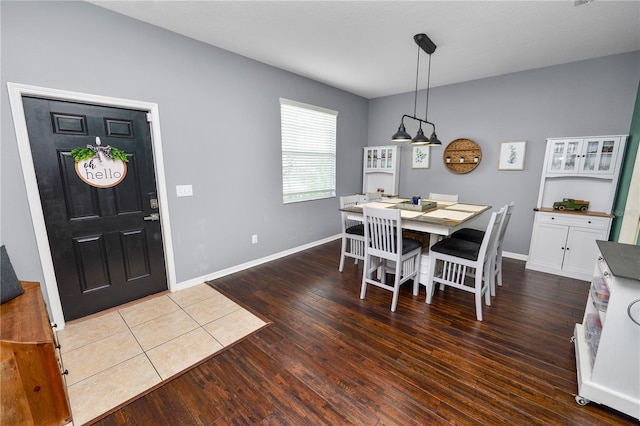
(149, 117)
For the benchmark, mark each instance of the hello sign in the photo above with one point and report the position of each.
(98, 166)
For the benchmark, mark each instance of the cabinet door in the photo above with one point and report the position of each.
(581, 249)
(370, 158)
(565, 156)
(600, 156)
(548, 245)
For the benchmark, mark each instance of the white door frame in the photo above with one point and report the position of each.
(16, 92)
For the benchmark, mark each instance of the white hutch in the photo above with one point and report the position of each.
(582, 168)
(381, 169)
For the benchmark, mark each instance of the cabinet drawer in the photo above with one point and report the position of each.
(574, 220)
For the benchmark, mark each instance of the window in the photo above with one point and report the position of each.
(308, 151)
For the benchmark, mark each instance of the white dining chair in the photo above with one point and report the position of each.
(352, 233)
(476, 236)
(387, 250)
(453, 258)
(443, 197)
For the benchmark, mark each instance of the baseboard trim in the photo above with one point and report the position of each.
(516, 256)
(224, 272)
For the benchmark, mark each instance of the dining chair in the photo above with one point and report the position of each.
(476, 236)
(352, 233)
(458, 257)
(387, 251)
(443, 197)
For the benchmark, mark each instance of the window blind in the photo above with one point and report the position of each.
(308, 151)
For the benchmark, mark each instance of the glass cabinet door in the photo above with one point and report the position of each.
(565, 156)
(599, 156)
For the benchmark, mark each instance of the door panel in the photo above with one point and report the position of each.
(104, 252)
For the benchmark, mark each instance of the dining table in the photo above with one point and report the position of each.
(440, 221)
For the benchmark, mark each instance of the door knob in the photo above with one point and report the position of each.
(153, 217)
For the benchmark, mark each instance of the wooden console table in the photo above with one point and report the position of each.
(33, 389)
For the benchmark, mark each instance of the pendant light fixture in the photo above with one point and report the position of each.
(401, 135)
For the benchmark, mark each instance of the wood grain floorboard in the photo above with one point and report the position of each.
(330, 358)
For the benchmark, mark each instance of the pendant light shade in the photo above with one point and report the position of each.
(401, 135)
(433, 140)
(420, 138)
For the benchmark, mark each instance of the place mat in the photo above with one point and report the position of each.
(449, 214)
(466, 207)
(393, 200)
(409, 214)
(377, 205)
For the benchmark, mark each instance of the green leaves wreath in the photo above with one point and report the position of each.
(81, 154)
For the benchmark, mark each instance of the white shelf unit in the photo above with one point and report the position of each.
(609, 375)
(583, 168)
(381, 169)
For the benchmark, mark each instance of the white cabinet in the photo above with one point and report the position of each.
(565, 243)
(381, 169)
(607, 343)
(582, 168)
(595, 155)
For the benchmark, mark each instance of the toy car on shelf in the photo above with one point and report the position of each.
(571, 204)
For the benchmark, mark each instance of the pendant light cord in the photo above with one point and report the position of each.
(426, 113)
(415, 93)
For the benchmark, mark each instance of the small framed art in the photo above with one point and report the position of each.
(420, 157)
(512, 155)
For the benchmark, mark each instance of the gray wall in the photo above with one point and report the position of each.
(593, 97)
(204, 94)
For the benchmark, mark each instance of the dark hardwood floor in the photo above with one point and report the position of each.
(330, 358)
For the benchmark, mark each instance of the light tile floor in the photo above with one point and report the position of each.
(113, 358)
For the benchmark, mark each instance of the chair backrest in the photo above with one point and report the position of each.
(443, 197)
(347, 201)
(503, 226)
(383, 233)
(491, 234)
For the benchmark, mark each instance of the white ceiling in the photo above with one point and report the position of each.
(352, 45)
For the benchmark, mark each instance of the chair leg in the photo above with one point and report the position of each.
(416, 280)
(429, 285)
(487, 281)
(492, 278)
(499, 272)
(396, 286)
(478, 296)
(365, 276)
(344, 250)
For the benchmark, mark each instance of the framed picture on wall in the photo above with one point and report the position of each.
(420, 157)
(512, 155)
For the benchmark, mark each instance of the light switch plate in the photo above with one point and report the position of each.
(184, 190)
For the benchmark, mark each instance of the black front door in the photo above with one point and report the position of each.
(104, 251)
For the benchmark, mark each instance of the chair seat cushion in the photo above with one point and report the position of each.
(356, 230)
(459, 248)
(469, 234)
(409, 244)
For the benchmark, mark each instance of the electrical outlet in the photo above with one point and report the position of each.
(254, 239)
(184, 190)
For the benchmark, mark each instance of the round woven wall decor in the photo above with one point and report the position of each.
(462, 156)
